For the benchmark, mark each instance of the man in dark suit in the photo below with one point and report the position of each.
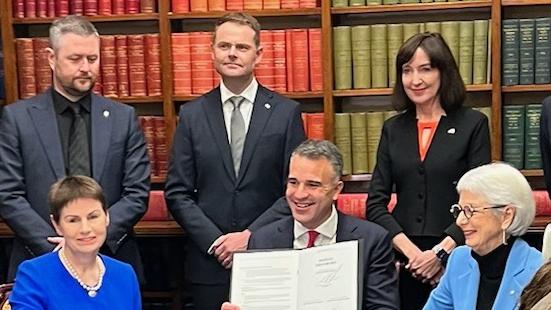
(229, 159)
(68, 130)
(312, 186)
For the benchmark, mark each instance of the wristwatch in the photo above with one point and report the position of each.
(441, 254)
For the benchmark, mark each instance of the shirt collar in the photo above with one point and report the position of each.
(248, 93)
(328, 228)
(61, 103)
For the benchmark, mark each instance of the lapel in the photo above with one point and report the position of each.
(345, 229)
(467, 283)
(263, 106)
(215, 118)
(440, 136)
(44, 119)
(101, 121)
(514, 279)
(410, 138)
(285, 234)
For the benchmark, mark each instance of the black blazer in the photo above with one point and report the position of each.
(425, 189)
(202, 192)
(380, 279)
(545, 141)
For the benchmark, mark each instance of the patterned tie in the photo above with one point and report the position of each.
(312, 235)
(237, 129)
(79, 149)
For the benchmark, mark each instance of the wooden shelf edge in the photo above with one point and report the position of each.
(524, 2)
(261, 13)
(158, 180)
(526, 88)
(292, 95)
(357, 177)
(95, 18)
(388, 91)
(136, 99)
(538, 226)
(411, 7)
(532, 172)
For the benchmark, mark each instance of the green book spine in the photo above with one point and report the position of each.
(432, 27)
(532, 154)
(526, 49)
(374, 2)
(342, 57)
(394, 42)
(379, 57)
(356, 2)
(510, 37)
(440, 1)
(361, 56)
(358, 130)
(450, 32)
(389, 114)
(543, 51)
(391, 1)
(488, 112)
(340, 3)
(409, 1)
(410, 30)
(426, 1)
(480, 51)
(513, 135)
(343, 140)
(375, 122)
(466, 46)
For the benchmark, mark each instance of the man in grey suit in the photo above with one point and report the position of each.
(312, 186)
(69, 130)
(229, 159)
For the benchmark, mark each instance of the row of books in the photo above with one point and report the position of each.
(365, 55)
(184, 6)
(130, 66)
(154, 130)
(58, 8)
(291, 61)
(526, 51)
(352, 3)
(521, 146)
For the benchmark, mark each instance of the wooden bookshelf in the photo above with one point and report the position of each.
(257, 13)
(524, 2)
(94, 19)
(526, 88)
(413, 7)
(388, 91)
(532, 173)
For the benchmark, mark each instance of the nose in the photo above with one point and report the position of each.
(301, 192)
(416, 78)
(85, 227)
(461, 219)
(232, 52)
(85, 66)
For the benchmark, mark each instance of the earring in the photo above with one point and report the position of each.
(504, 238)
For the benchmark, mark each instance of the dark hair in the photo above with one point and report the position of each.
(241, 19)
(538, 288)
(316, 149)
(452, 89)
(71, 188)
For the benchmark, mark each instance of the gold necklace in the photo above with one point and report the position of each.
(91, 290)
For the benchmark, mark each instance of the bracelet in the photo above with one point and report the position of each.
(441, 254)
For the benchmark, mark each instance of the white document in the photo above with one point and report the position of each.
(318, 278)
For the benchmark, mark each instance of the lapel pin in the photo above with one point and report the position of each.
(267, 106)
(105, 113)
(451, 131)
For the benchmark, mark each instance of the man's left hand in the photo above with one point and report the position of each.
(227, 244)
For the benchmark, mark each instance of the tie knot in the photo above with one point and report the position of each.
(237, 101)
(312, 235)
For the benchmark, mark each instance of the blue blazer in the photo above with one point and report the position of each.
(31, 160)
(380, 289)
(458, 288)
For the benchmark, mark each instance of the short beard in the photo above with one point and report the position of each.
(73, 91)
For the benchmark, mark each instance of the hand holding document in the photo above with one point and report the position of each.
(317, 278)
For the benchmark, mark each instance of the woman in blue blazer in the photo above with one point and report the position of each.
(495, 208)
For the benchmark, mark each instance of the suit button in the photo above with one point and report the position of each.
(419, 219)
(420, 196)
(421, 170)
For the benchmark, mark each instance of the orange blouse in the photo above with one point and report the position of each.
(425, 132)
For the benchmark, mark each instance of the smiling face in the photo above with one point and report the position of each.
(421, 81)
(83, 223)
(311, 189)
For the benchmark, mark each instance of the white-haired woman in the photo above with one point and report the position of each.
(495, 208)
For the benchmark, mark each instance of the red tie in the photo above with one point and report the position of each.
(312, 235)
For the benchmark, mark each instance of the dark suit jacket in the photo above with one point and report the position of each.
(425, 189)
(31, 160)
(202, 191)
(545, 141)
(380, 280)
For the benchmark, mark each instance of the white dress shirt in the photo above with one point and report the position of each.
(246, 108)
(327, 232)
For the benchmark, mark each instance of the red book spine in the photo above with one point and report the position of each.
(157, 210)
(217, 5)
(118, 7)
(198, 5)
(153, 64)
(234, 5)
(18, 8)
(42, 8)
(161, 149)
(76, 7)
(132, 6)
(304, 117)
(352, 204)
(104, 7)
(264, 71)
(315, 126)
(201, 62)
(51, 8)
(215, 78)
(300, 59)
(98, 86)
(136, 65)
(180, 6)
(543, 204)
(147, 6)
(181, 64)
(43, 73)
(90, 7)
(30, 8)
(148, 128)
(271, 4)
(289, 60)
(308, 4)
(252, 4)
(25, 68)
(280, 68)
(316, 70)
(290, 4)
(62, 8)
(109, 66)
(121, 46)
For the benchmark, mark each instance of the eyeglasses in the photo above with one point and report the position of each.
(469, 210)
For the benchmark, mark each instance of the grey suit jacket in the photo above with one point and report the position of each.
(380, 279)
(31, 160)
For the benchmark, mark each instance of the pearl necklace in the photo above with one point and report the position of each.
(91, 290)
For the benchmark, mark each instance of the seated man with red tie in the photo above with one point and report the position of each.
(313, 185)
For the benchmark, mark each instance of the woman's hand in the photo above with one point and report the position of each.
(425, 266)
(228, 306)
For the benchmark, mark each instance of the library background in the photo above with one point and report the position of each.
(336, 57)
